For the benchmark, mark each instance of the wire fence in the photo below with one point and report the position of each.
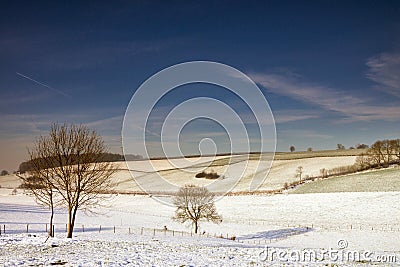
(281, 232)
(18, 228)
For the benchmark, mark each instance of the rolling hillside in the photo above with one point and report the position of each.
(238, 171)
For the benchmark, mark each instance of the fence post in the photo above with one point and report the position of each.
(154, 231)
(114, 229)
(129, 230)
(4, 229)
(83, 228)
(173, 233)
(27, 228)
(66, 228)
(100, 228)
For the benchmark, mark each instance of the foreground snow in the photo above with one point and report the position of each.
(365, 221)
(134, 250)
(122, 250)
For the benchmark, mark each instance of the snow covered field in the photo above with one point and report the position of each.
(237, 175)
(368, 221)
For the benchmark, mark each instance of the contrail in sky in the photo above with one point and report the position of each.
(42, 84)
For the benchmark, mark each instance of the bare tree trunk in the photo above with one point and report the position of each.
(51, 234)
(196, 227)
(70, 227)
(71, 221)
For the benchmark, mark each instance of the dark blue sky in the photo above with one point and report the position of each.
(330, 70)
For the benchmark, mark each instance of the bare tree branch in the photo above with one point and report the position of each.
(195, 204)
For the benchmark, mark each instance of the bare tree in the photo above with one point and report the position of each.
(323, 173)
(363, 162)
(37, 182)
(71, 162)
(299, 172)
(4, 173)
(396, 149)
(362, 146)
(195, 204)
(340, 147)
(388, 152)
(375, 153)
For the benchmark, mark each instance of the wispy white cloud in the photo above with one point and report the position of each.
(284, 116)
(352, 107)
(384, 69)
(293, 133)
(112, 123)
(22, 97)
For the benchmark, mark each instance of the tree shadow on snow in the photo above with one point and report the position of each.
(277, 234)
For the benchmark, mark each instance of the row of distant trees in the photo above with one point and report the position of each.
(104, 157)
(338, 147)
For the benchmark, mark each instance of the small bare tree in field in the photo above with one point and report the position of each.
(195, 204)
(299, 172)
(70, 162)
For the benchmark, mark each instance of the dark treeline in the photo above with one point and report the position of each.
(104, 157)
